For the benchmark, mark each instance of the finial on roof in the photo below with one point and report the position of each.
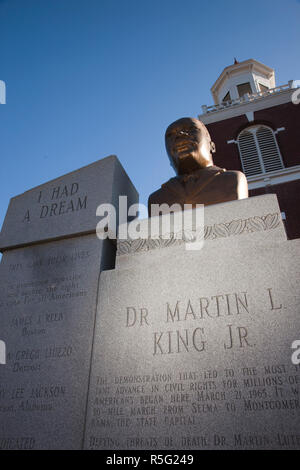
(236, 61)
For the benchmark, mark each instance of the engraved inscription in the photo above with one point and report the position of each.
(57, 201)
(184, 398)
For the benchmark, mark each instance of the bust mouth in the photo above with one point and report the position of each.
(184, 147)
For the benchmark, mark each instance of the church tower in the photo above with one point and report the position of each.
(256, 128)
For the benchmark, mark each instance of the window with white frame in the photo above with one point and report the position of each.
(244, 88)
(263, 88)
(259, 150)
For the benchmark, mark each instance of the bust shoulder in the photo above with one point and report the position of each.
(235, 174)
(238, 180)
(162, 194)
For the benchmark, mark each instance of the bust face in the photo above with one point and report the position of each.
(188, 145)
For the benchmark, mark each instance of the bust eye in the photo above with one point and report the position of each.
(185, 131)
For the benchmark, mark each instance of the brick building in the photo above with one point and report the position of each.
(256, 128)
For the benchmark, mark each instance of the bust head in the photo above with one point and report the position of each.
(189, 145)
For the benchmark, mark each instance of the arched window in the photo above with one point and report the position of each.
(259, 150)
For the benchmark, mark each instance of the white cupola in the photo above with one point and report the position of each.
(242, 78)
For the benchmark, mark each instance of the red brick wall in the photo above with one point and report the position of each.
(227, 155)
(289, 201)
(285, 115)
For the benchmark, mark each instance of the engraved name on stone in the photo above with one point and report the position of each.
(225, 305)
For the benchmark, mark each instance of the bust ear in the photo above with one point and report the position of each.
(213, 147)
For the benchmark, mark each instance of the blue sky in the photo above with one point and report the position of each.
(90, 78)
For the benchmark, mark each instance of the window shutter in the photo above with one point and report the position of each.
(259, 151)
(269, 149)
(249, 155)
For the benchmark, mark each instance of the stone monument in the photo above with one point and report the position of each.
(49, 276)
(169, 348)
(193, 348)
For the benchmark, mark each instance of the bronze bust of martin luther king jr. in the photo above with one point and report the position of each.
(198, 180)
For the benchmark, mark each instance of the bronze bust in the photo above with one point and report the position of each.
(198, 180)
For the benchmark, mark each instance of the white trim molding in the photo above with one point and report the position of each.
(250, 116)
(280, 129)
(238, 109)
(232, 141)
(285, 175)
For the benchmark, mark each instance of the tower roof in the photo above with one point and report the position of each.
(250, 65)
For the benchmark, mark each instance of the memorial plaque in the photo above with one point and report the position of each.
(193, 349)
(48, 299)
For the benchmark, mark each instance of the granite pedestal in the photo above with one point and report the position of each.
(193, 349)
